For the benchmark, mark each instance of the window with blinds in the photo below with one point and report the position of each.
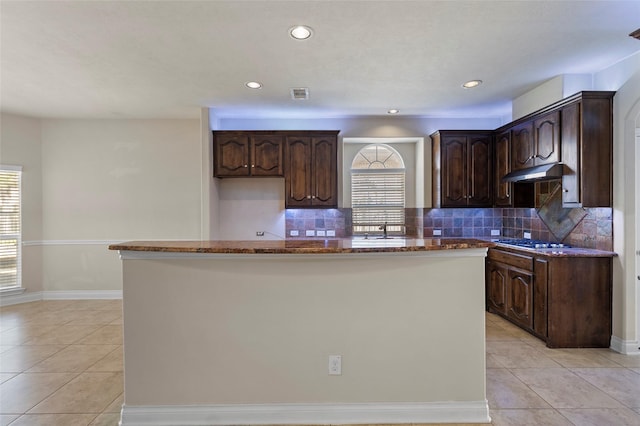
(378, 190)
(10, 237)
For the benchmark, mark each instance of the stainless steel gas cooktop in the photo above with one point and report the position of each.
(533, 244)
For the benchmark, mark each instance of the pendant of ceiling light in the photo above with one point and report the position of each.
(300, 32)
(471, 84)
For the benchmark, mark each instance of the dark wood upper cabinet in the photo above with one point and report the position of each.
(546, 139)
(311, 170)
(503, 190)
(587, 151)
(462, 168)
(536, 142)
(244, 154)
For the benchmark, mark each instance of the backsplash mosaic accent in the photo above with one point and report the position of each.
(594, 231)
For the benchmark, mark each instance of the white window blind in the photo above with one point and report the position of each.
(376, 198)
(10, 227)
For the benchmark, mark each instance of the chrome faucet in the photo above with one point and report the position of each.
(384, 229)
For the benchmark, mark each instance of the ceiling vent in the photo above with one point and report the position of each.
(300, 93)
(636, 34)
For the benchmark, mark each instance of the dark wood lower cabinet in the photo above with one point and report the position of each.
(566, 301)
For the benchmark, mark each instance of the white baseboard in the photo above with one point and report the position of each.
(15, 299)
(314, 414)
(81, 294)
(626, 347)
(35, 296)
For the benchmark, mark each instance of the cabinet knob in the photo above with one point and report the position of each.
(253, 166)
(308, 197)
(565, 190)
(245, 166)
(313, 197)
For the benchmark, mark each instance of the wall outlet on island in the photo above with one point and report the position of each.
(335, 365)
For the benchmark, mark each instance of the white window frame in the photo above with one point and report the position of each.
(395, 223)
(17, 288)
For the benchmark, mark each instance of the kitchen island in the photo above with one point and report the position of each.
(241, 332)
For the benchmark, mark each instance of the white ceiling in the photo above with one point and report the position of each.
(149, 59)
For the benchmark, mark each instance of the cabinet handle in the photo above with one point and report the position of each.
(253, 166)
(245, 166)
(565, 190)
(308, 197)
(313, 197)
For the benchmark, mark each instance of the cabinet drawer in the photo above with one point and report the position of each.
(518, 260)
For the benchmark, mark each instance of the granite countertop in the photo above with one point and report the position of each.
(302, 246)
(558, 252)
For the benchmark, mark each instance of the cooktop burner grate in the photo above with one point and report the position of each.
(534, 244)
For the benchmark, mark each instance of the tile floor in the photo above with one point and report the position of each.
(61, 365)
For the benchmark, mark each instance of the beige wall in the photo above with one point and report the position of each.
(20, 144)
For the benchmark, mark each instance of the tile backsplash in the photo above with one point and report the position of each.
(594, 230)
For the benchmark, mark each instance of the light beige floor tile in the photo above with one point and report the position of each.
(54, 420)
(73, 358)
(111, 362)
(620, 383)
(24, 391)
(95, 305)
(87, 393)
(98, 317)
(116, 405)
(6, 376)
(623, 360)
(563, 389)
(579, 358)
(117, 321)
(23, 333)
(492, 362)
(50, 317)
(504, 390)
(57, 305)
(21, 358)
(528, 417)
(519, 355)
(64, 335)
(4, 348)
(495, 332)
(106, 419)
(5, 419)
(602, 416)
(108, 334)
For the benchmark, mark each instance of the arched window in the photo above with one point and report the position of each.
(377, 190)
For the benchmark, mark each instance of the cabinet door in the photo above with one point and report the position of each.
(547, 139)
(522, 153)
(496, 282)
(571, 156)
(479, 172)
(520, 297)
(231, 155)
(267, 155)
(454, 173)
(503, 190)
(541, 273)
(324, 172)
(298, 172)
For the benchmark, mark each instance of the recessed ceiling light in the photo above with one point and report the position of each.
(300, 32)
(393, 111)
(254, 85)
(472, 83)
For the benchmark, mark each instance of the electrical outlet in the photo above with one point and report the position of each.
(495, 232)
(259, 233)
(294, 233)
(335, 365)
(527, 235)
(437, 232)
(310, 233)
(320, 233)
(331, 233)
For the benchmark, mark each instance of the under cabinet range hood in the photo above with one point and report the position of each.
(536, 173)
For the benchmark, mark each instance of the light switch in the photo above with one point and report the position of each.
(331, 233)
(320, 233)
(310, 233)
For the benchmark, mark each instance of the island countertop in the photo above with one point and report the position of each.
(304, 246)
